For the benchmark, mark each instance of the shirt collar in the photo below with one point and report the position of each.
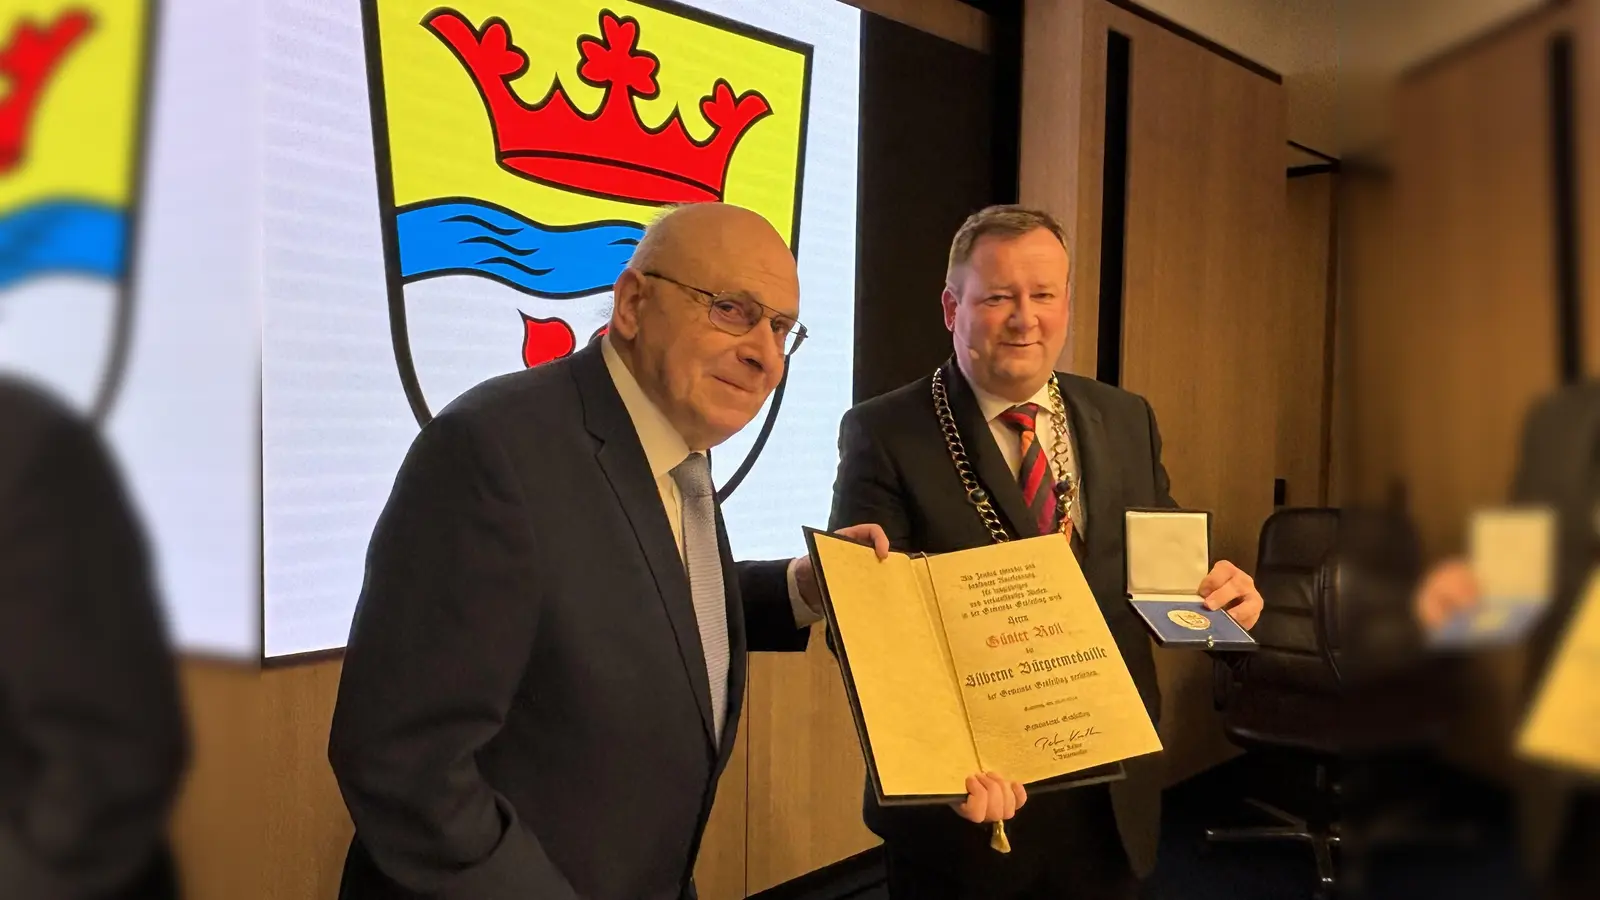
(992, 406)
(664, 447)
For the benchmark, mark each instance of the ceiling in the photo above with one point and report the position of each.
(1336, 56)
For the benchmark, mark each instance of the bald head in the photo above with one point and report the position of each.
(671, 320)
(706, 242)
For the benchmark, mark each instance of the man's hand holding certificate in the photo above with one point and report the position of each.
(1502, 590)
(994, 659)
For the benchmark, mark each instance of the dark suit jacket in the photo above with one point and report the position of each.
(524, 709)
(894, 469)
(92, 741)
(1559, 466)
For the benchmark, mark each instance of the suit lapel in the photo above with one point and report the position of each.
(987, 463)
(621, 458)
(1097, 471)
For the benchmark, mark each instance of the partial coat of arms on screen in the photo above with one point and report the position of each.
(522, 146)
(73, 76)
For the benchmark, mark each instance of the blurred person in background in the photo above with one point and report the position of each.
(1558, 466)
(92, 742)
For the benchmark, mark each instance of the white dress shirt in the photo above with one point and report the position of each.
(1010, 441)
(664, 449)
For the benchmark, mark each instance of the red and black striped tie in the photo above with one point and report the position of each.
(1038, 487)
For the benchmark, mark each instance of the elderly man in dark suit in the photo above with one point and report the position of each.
(1558, 466)
(92, 744)
(545, 671)
(1046, 450)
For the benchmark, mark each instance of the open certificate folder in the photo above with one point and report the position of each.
(1513, 552)
(1563, 727)
(994, 659)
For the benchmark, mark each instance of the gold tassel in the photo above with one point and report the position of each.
(998, 841)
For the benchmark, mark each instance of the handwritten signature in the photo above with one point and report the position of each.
(1056, 744)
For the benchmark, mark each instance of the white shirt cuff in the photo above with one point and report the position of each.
(804, 615)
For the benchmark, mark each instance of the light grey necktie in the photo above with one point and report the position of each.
(704, 561)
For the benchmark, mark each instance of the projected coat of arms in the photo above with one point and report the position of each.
(72, 80)
(508, 218)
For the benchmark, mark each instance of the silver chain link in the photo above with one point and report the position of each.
(1061, 457)
(976, 495)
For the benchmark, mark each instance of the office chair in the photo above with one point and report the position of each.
(1338, 680)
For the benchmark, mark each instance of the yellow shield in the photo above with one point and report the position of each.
(73, 75)
(526, 143)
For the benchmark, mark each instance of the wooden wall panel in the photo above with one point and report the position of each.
(261, 816)
(1305, 347)
(719, 873)
(1459, 338)
(1370, 345)
(927, 116)
(1203, 311)
(1063, 148)
(1474, 210)
(1056, 96)
(307, 827)
(1203, 303)
(217, 822)
(806, 769)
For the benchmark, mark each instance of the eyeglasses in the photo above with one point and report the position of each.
(736, 313)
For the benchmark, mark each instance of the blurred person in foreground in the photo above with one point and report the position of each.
(545, 672)
(92, 742)
(1006, 307)
(1558, 466)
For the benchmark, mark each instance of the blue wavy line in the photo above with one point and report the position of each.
(71, 237)
(469, 236)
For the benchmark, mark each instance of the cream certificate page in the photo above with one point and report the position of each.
(993, 659)
(1045, 689)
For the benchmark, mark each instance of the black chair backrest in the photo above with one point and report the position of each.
(1294, 574)
(1284, 693)
(1336, 624)
(1374, 625)
(1336, 586)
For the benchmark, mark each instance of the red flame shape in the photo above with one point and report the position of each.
(545, 339)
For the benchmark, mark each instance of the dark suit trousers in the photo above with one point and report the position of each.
(1064, 846)
(1575, 874)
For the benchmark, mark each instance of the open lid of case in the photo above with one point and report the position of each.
(1168, 550)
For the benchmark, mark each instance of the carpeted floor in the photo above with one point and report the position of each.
(1188, 868)
(1485, 868)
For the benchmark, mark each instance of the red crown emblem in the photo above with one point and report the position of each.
(608, 153)
(28, 60)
